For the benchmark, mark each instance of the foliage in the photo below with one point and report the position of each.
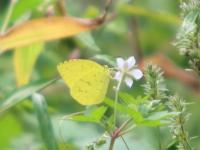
(145, 106)
(188, 36)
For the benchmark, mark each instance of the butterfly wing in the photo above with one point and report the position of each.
(87, 80)
(73, 70)
(92, 87)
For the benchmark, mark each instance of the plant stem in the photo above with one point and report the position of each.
(112, 143)
(116, 133)
(116, 98)
(185, 138)
(8, 15)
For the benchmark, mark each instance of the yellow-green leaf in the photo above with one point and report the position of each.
(45, 29)
(24, 60)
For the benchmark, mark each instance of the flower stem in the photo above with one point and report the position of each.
(8, 15)
(116, 98)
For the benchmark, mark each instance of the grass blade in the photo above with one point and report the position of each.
(40, 107)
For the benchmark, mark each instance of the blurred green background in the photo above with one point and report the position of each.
(140, 28)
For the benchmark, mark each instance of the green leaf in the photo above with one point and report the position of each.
(98, 114)
(157, 118)
(189, 21)
(20, 94)
(24, 60)
(24, 6)
(87, 40)
(94, 116)
(40, 107)
(137, 116)
(161, 115)
(129, 99)
(151, 123)
(171, 144)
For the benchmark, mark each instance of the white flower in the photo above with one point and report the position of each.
(127, 71)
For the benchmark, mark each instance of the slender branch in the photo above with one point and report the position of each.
(124, 125)
(105, 12)
(107, 6)
(8, 16)
(117, 133)
(55, 80)
(127, 131)
(114, 136)
(125, 143)
(112, 143)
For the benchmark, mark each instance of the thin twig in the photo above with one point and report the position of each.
(124, 125)
(117, 132)
(107, 7)
(53, 81)
(127, 131)
(125, 143)
(105, 12)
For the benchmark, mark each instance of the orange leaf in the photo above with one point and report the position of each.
(45, 29)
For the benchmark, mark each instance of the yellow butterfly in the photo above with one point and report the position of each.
(88, 81)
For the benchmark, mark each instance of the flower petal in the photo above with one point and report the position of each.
(130, 62)
(120, 63)
(118, 76)
(129, 81)
(136, 73)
